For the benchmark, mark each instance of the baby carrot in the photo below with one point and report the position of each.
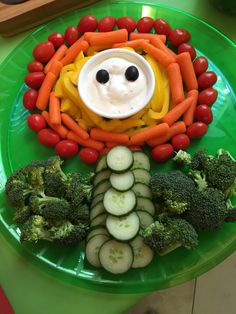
(156, 42)
(148, 134)
(176, 83)
(73, 126)
(189, 114)
(60, 129)
(105, 38)
(86, 143)
(187, 70)
(111, 144)
(56, 68)
(58, 55)
(74, 50)
(133, 36)
(54, 109)
(175, 113)
(44, 91)
(104, 136)
(157, 54)
(137, 43)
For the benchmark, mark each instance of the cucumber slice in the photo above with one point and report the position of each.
(143, 254)
(119, 203)
(119, 159)
(101, 176)
(146, 204)
(142, 176)
(116, 257)
(93, 247)
(97, 199)
(99, 220)
(97, 210)
(101, 187)
(122, 181)
(123, 228)
(145, 218)
(141, 160)
(141, 189)
(102, 163)
(97, 231)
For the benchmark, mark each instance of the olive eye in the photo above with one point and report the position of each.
(102, 76)
(131, 73)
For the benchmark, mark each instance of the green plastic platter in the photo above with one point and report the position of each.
(18, 146)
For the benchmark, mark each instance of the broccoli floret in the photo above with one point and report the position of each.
(182, 158)
(79, 214)
(172, 190)
(35, 229)
(35, 172)
(166, 234)
(21, 215)
(199, 178)
(69, 234)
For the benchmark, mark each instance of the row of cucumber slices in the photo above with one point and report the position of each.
(121, 206)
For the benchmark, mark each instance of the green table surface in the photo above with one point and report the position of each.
(31, 290)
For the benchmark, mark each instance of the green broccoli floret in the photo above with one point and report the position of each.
(35, 172)
(166, 234)
(21, 215)
(35, 229)
(182, 158)
(172, 190)
(79, 214)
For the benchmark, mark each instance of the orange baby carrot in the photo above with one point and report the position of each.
(104, 136)
(187, 70)
(159, 44)
(74, 50)
(189, 114)
(104, 38)
(175, 113)
(56, 68)
(176, 83)
(133, 36)
(60, 129)
(86, 143)
(54, 109)
(111, 144)
(44, 91)
(157, 54)
(73, 126)
(178, 127)
(137, 43)
(58, 55)
(148, 134)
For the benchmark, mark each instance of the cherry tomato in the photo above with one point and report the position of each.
(87, 23)
(196, 130)
(186, 47)
(67, 148)
(178, 36)
(71, 35)
(162, 152)
(36, 122)
(106, 24)
(126, 22)
(104, 150)
(200, 65)
(30, 98)
(208, 96)
(135, 148)
(162, 27)
(145, 24)
(34, 79)
(180, 141)
(48, 137)
(35, 66)
(44, 51)
(206, 79)
(57, 39)
(88, 155)
(203, 113)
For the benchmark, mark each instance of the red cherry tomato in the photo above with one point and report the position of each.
(87, 23)
(35, 66)
(162, 27)
(44, 51)
(104, 150)
(34, 79)
(206, 79)
(180, 141)
(178, 36)
(162, 152)
(106, 24)
(30, 98)
(196, 130)
(203, 113)
(71, 35)
(208, 96)
(186, 47)
(88, 155)
(145, 24)
(48, 137)
(135, 148)
(67, 148)
(126, 22)
(200, 65)
(36, 122)
(57, 39)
